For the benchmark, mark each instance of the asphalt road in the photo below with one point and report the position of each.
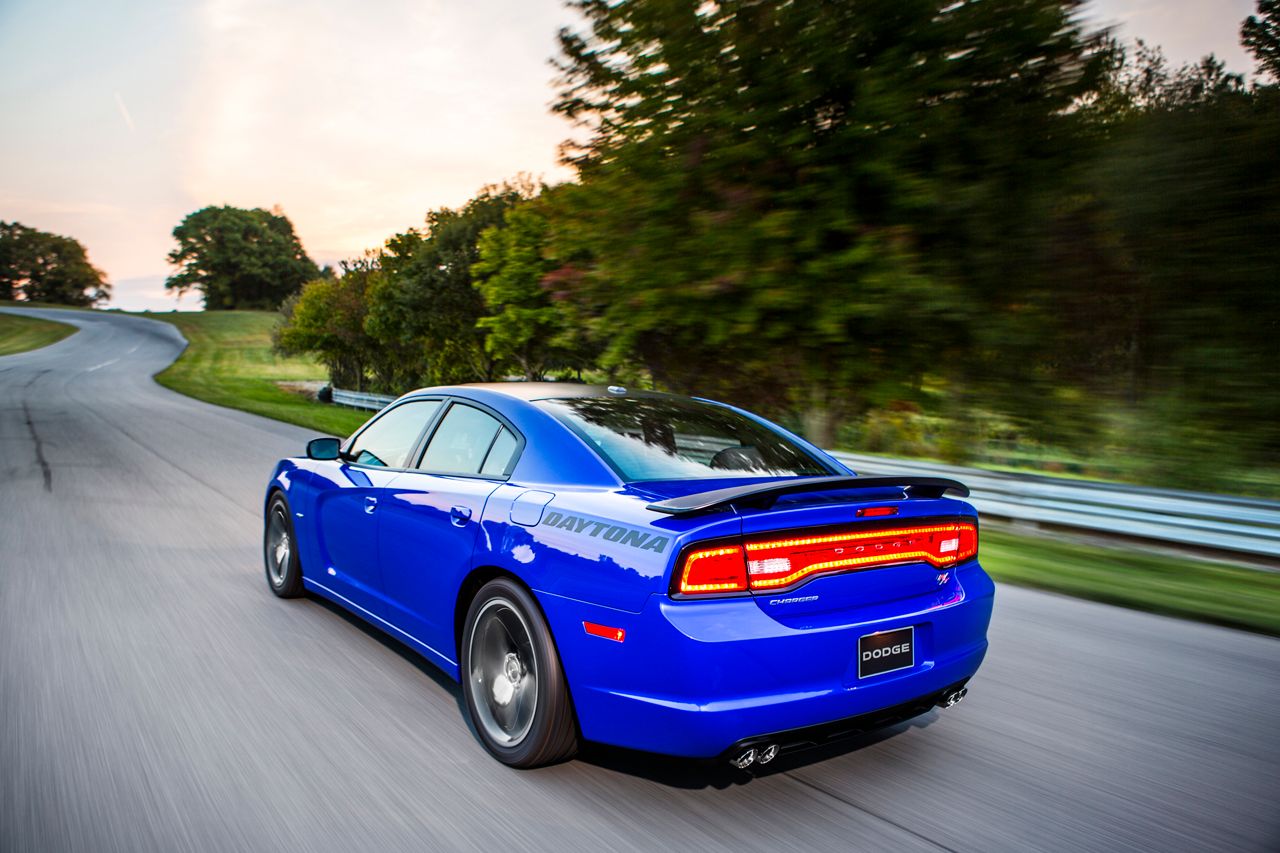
(155, 696)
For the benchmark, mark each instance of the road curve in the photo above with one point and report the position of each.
(155, 696)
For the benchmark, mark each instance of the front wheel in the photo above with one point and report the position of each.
(280, 550)
(514, 686)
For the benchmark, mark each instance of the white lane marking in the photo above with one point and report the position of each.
(104, 364)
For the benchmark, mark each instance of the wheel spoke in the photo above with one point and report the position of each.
(503, 673)
(279, 547)
(503, 625)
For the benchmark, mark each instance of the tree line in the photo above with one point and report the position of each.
(913, 225)
(37, 266)
(957, 214)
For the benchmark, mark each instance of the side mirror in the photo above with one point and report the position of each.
(323, 448)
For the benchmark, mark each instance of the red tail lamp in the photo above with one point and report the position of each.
(714, 570)
(768, 565)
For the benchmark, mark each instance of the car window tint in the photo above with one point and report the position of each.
(500, 454)
(461, 442)
(387, 441)
(668, 438)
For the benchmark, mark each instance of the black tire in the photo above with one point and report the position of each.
(492, 650)
(280, 556)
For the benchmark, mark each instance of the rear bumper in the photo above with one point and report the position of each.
(696, 678)
(810, 737)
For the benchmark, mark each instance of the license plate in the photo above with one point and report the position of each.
(886, 651)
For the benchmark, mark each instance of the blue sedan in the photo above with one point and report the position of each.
(638, 569)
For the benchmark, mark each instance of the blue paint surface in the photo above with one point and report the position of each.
(692, 677)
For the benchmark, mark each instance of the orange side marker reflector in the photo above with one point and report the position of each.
(615, 634)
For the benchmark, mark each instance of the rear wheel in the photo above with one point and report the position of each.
(514, 686)
(280, 550)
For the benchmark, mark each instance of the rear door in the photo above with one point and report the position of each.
(431, 519)
(347, 511)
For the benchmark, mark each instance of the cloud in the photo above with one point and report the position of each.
(124, 113)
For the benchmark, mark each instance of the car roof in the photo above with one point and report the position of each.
(530, 391)
(562, 457)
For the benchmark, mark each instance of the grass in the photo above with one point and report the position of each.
(16, 303)
(230, 363)
(1175, 586)
(20, 334)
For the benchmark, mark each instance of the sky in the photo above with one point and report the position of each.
(120, 117)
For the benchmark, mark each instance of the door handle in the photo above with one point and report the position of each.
(370, 504)
(460, 515)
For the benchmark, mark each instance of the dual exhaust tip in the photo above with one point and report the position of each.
(760, 755)
(952, 698)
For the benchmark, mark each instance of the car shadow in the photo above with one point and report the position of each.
(718, 773)
(672, 771)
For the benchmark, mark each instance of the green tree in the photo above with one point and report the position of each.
(1195, 196)
(526, 325)
(239, 258)
(329, 319)
(1096, 303)
(326, 319)
(429, 304)
(1161, 301)
(1260, 35)
(41, 267)
(1141, 81)
(803, 205)
(314, 322)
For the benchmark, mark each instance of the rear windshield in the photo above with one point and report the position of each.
(659, 438)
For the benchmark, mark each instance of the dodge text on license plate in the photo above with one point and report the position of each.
(886, 651)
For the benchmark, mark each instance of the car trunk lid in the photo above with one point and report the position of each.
(828, 544)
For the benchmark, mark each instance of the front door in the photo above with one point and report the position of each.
(347, 533)
(347, 507)
(431, 519)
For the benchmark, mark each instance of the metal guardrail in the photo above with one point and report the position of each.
(1192, 520)
(1186, 519)
(361, 400)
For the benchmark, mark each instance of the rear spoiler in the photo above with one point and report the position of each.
(764, 494)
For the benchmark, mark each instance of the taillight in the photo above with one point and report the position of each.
(711, 570)
(778, 563)
(766, 565)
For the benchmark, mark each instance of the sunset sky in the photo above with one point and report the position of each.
(354, 118)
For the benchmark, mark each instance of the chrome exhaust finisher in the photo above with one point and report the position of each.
(765, 748)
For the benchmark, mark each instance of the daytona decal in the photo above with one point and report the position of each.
(606, 530)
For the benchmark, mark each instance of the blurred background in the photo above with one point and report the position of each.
(1014, 234)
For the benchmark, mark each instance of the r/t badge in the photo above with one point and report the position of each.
(943, 578)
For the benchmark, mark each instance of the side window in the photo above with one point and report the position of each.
(462, 441)
(387, 441)
(501, 454)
